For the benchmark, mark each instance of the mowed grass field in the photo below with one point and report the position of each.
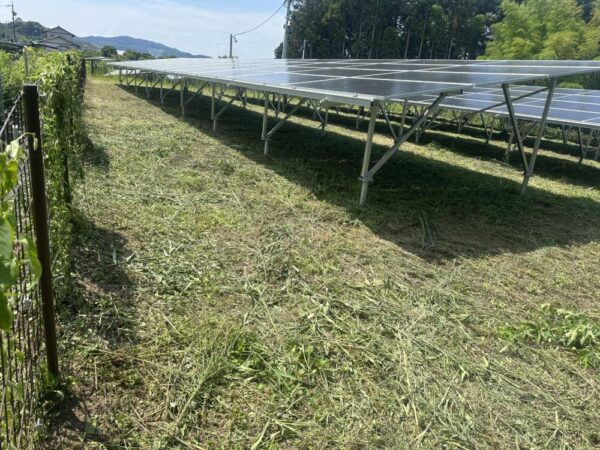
(225, 299)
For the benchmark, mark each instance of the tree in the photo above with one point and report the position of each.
(391, 28)
(130, 55)
(590, 48)
(542, 29)
(108, 51)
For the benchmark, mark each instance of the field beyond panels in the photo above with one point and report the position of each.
(230, 300)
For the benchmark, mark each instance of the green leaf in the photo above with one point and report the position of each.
(9, 176)
(7, 239)
(32, 259)
(6, 315)
(8, 272)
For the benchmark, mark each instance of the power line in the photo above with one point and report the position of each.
(262, 23)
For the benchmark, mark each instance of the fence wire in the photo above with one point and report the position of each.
(22, 347)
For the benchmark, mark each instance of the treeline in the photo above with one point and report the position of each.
(547, 29)
(391, 28)
(444, 29)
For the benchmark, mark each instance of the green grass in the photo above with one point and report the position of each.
(231, 300)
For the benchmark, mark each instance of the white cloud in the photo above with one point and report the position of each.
(194, 29)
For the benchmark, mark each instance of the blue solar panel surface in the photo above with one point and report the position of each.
(360, 81)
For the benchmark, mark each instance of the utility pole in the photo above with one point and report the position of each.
(304, 49)
(286, 28)
(12, 9)
(230, 46)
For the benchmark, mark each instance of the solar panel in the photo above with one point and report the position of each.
(361, 81)
(573, 107)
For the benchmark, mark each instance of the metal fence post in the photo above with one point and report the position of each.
(40, 218)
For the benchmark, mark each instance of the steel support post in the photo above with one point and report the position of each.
(540, 134)
(580, 143)
(368, 174)
(265, 123)
(171, 89)
(281, 123)
(485, 128)
(427, 124)
(213, 101)
(524, 137)
(386, 116)
(359, 116)
(317, 114)
(195, 94)
(182, 97)
(221, 112)
(162, 101)
(403, 119)
(365, 178)
(516, 132)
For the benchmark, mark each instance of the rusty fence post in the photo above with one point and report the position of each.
(40, 219)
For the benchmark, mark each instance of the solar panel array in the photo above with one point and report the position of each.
(361, 81)
(572, 107)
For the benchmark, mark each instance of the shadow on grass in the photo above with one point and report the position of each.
(429, 207)
(101, 313)
(95, 155)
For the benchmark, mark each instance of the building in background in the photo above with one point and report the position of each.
(58, 38)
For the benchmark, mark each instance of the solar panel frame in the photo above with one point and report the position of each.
(406, 72)
(568, 106)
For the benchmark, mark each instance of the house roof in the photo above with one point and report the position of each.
(59, 29)
(58, 40)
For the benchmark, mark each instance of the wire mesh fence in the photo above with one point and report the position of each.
(22, 346)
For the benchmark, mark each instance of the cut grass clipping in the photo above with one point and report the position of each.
(230, 300)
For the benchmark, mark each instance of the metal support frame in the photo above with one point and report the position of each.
(529, 165)
(265, 123)
(213, 101)
(386, 116)
(403, 119)
(268, 135)
(427, 124)
(360, 115)
(367, 173)
(215, 116)
(318, 115)
(584, 148)
(182, 91)
(171, 89)
(511, 145)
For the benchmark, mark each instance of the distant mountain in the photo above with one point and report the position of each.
(137, 45)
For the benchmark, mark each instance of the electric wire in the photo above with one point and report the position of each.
(262, 23)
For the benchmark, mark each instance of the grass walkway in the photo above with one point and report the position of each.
(228, 300)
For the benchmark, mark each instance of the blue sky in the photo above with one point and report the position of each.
(196, 26)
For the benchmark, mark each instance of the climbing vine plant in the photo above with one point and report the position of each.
(10, 262)
(63, 134)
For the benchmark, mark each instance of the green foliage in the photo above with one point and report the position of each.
(390, 29)
(10, 261)
(63, 134)
(544, 29)
(563, 328)
(108, 51)
(12, 74)
(130, 55)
